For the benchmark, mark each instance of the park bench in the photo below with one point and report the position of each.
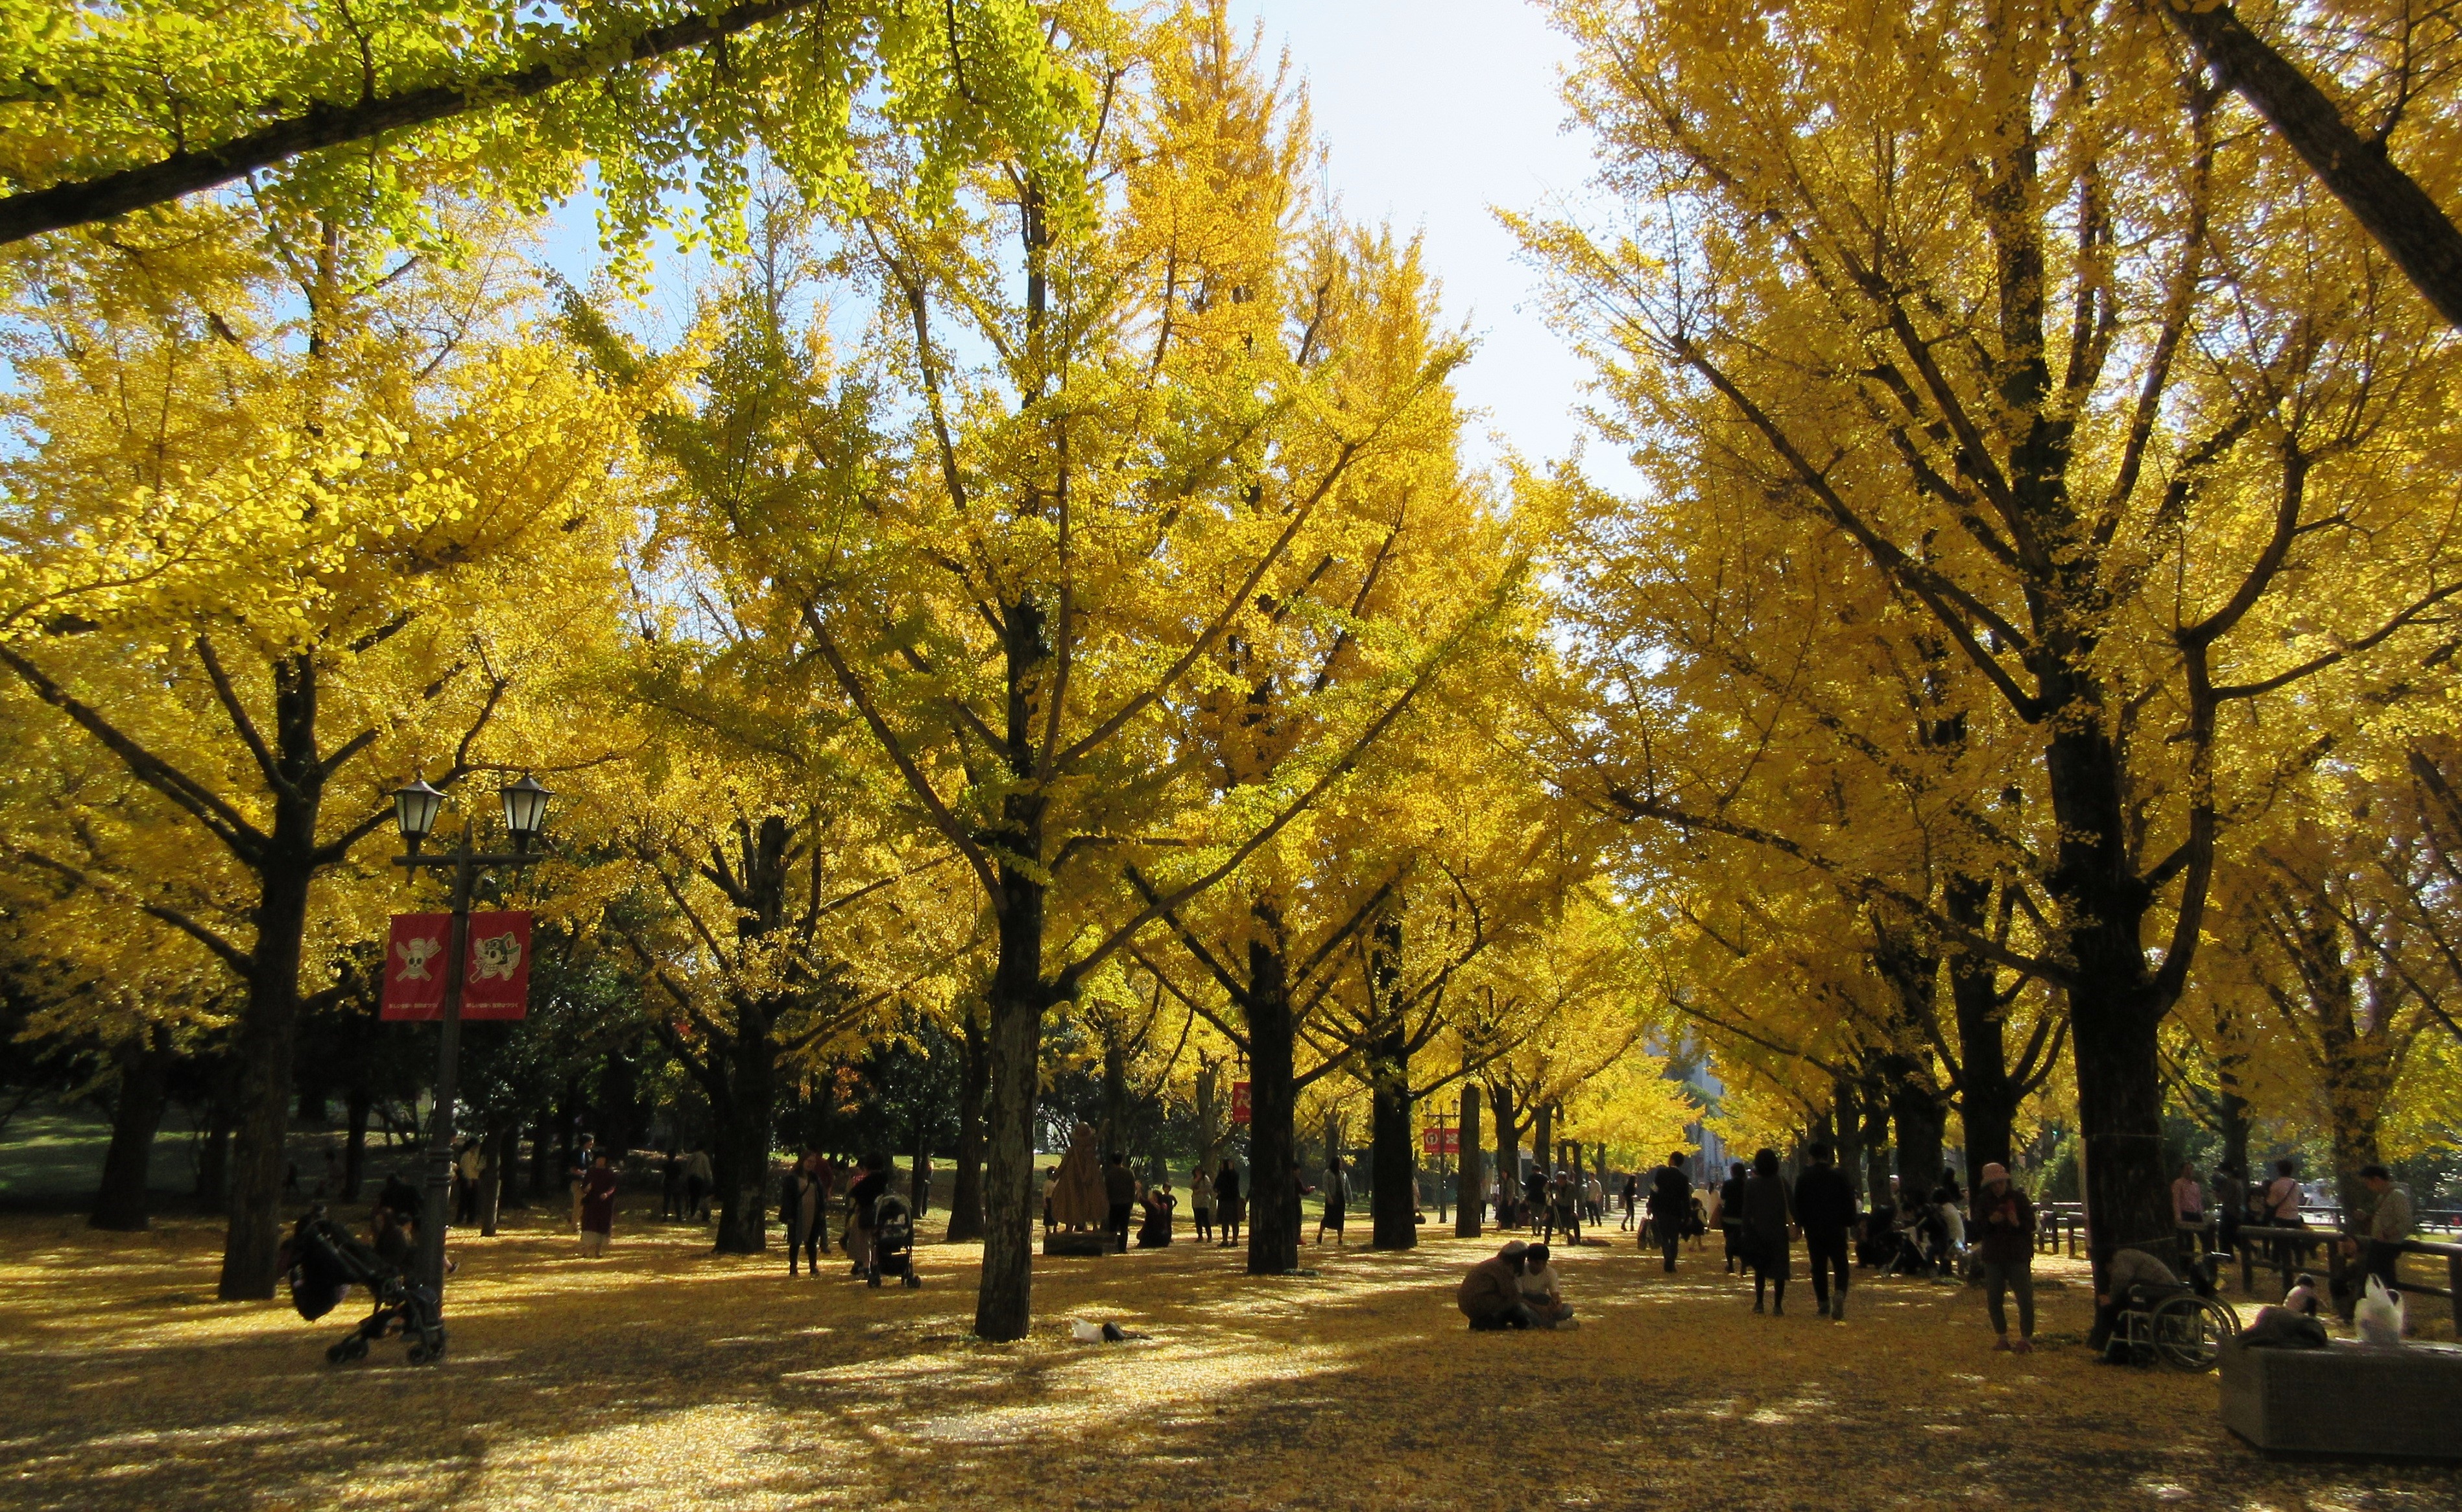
(2391, 1402)
(2291, 1249)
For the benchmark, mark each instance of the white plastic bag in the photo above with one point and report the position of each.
(1085, 1332)
(2379, 1314)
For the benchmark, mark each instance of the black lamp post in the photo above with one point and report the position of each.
(416, 806)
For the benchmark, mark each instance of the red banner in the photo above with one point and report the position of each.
(1239, 1102)
(496, 982)
(1440, 1142)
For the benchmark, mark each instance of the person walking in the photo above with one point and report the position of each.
(671, 1186)
(863, 1199)
(467, 1171)
(2004, 1241)
(597, 1189)
(699, 1182)
(1731, 1221)
(1631, 1199)
(1595, 1199)
(2391, 1220)
(1769, 1217)
(2189, 1205)
(1228, 1207)
(805, 1205)
(2283, 1196)
(1200, 1204)
(1337, 1201)
(1824, 1206)
(578, 1172)
(1120, 1193)
(1670, 1206)
(1952, 1204)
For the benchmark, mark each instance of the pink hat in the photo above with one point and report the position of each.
(1995, 1171)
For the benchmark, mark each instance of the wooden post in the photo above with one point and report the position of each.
(2335, 1268)
(2453, 1290)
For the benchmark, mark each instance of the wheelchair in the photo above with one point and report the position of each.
(2176, 1326)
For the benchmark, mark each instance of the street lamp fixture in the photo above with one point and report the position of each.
(416, 806)
(524, 810)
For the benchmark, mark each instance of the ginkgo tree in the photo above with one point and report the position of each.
(272, 507)
(1911, 288)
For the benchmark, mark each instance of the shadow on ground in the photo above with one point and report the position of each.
(666, 1377)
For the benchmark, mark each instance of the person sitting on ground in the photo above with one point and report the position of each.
(1490, 1295)
(2304, 1298)
(1155, 1232)
(1542, 1289)
(2130, 1268)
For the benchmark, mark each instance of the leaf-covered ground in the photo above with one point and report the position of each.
(662, 1376)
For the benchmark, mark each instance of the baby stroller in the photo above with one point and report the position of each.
(892, 1242)
(325, 1262)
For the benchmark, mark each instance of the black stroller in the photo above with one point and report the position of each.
(325, 1262)
(892, 1242)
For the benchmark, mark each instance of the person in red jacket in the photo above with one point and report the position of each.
(2004, 1241)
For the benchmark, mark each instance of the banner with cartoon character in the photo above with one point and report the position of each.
(496, 983)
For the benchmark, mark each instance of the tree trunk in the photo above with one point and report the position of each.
(1846, 1118)
(543, 1164)
(1873, 1129)
(1005, 1300)
(2390, 205)
(1273, 1105)
(1507, 1176)
(213, 1158)
(1394, 1197)
(354, 1143)
(145, 1060)
(1543, 1138)
(1209, 1154)
(966, 1185)
(1472, 1193)
(268, 1029)
(1987, 1101)
(740, 1158)
(496, 1186)
(1915, 1109)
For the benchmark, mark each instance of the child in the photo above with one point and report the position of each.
(2303, 1298)
(1540, 1291)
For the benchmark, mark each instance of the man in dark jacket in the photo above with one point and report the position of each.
(1490, 1296)
(1825, 1207)
(1671, 1205)
(1120, 1190)
(862, 1200)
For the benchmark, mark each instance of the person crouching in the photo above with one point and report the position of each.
(1490, 1296)
(1543, 1292)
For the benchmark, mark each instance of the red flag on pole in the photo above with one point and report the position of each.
(496, 979)
(1440, 1142)
(1239, 1102)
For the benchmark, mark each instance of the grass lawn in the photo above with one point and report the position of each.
(662, 1376)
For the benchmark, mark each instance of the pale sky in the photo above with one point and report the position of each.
(1436, 111)
(1433, 111)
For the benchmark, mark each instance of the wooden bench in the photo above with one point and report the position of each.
(2346, 1398)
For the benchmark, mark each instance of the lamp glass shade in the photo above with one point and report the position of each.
(415, 805)
(526, 810)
